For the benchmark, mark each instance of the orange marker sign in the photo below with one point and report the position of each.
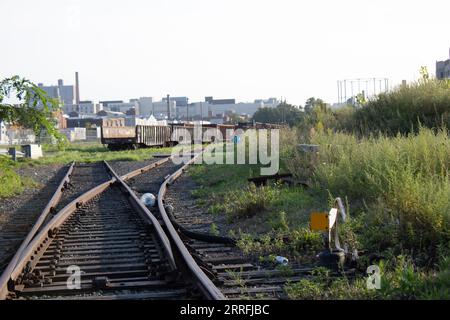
(319, 221)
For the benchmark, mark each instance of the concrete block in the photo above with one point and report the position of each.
(33, 151)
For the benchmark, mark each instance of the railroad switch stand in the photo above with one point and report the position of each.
(333, 256)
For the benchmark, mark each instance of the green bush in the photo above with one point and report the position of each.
(320, 285)
(304, 289)
(278, 221)
(249, 201)
(305, 240)
(10, 182)
(405, 109)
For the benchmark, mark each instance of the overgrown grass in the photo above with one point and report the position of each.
(397, 191)
(400, 185)
(224, 189)
(400, 279)
(295, 242)
(10, 182)
(93, 152)
(405, 109)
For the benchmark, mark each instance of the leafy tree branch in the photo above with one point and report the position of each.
(34, 110)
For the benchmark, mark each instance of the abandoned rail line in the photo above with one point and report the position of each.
(96, 225)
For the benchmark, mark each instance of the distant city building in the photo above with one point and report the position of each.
(63, 92)
(67, 94)
(180, 101)
(106, 103)
(69, 108)
(213, 108)
(179, 109)
(121, 106)
(145, 106)
(210, 100)
(443, 69)
(107, 113)
(135, 121)
(160, 109)
(84, 122)
(12, 134)
(88, 107)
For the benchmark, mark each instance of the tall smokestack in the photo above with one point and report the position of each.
(77, 91)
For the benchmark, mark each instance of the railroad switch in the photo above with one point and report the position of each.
(331, 257)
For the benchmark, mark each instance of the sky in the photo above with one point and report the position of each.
(243, 49)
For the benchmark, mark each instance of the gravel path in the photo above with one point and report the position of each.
(186, 211)
(123, 167)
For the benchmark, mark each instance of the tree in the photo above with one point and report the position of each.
(283, 113)
(34, 110)
(312, 102)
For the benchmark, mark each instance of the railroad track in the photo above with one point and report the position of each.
(122, 250)
(236, 275)
(111, 238)
(67, 185)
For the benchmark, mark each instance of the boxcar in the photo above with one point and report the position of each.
(120, 138)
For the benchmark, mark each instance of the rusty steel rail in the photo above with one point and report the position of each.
(4, 278)
(145, 213)
(183, 257)
(29, 253)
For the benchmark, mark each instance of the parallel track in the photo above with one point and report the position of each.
(116, 242)
(126, 251)
(120, 256)
(235, 275)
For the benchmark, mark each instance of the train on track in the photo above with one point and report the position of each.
(141, 136)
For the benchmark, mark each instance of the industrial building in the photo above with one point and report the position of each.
(443, 69)
(213, 108)
(63, 92)
(88, 107)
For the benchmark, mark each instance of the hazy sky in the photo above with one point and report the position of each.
(244, 49)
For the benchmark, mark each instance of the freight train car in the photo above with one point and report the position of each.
(121, 138)
(206, 132)
(194, 133)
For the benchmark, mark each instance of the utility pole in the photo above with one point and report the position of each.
(187, 109)
(201, 112)
(77, 92)
(168, 107)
